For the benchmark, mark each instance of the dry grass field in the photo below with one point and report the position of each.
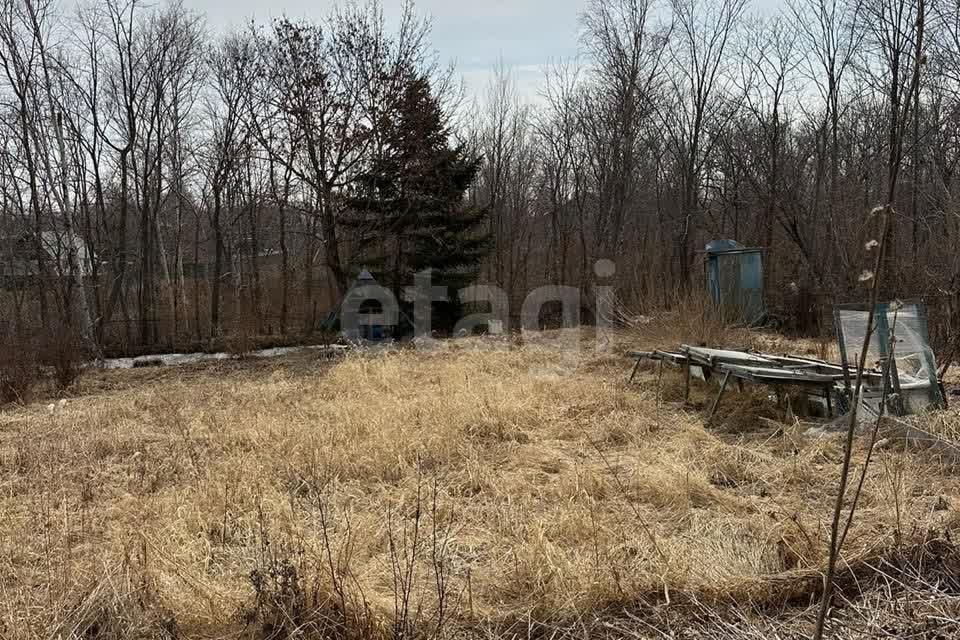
(486, 489)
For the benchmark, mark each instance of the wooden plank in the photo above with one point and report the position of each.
(716, 401)
(787, 376)
(728, 356)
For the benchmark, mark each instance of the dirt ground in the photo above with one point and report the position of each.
(488, 488)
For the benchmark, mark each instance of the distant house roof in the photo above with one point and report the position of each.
(58, 247)
(18, 254)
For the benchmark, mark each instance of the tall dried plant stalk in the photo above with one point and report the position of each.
(835, 538)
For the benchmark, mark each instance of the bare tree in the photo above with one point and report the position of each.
(507, 181)
(830, 34)
(699, 104)
(126, 86)
(231, 65)
(558, 133)
(895, 65)
(20, 56)
(769, 61)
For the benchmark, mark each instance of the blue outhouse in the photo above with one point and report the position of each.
(735, 280)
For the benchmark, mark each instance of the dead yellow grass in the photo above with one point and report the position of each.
(693, 319)
(487, 482)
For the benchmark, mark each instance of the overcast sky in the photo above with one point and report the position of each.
(473, 33)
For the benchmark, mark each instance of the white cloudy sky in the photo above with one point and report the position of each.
(527, 34)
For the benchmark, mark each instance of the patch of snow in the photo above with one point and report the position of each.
(175, 359)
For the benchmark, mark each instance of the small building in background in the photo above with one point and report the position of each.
(65, 255)
(371, 322)
(734, 278)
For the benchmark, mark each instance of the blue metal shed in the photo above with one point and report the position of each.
(735, 280)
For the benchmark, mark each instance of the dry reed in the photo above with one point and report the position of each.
(411, 493)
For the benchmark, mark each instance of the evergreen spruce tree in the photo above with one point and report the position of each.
(408, 211)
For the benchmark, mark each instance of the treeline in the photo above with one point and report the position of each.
(160, 185)
(694, 120)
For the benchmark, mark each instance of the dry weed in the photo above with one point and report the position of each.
(413, 493)
(691, 319)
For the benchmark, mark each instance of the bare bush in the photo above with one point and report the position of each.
(62, 352)
(240, 339)
(19, 370)
(692, 319)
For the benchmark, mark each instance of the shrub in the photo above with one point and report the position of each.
(19, 369)
(62, 351)
(240, 339)
(279, 599)
(27, 359)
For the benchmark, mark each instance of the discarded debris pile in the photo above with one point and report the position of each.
(900, 376)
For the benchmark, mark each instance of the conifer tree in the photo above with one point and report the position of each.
(408, 211)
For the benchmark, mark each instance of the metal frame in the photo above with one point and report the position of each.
(889, 374)
(815, 376)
